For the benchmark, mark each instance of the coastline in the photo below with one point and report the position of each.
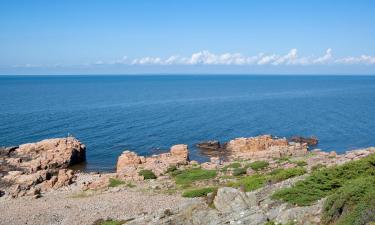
(126, 195)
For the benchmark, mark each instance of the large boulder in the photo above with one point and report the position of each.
(28, 168)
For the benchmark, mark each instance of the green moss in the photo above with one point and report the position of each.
(198, 192)
(250, 183)
(352, 204)
(147, 174)
(327, 181)
(258, 165)
(190, 175)
(283, 174)
(113, 182)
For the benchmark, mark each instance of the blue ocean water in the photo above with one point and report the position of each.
(148, 114)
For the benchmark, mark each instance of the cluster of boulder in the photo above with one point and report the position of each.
(129, 164)
(32, 168)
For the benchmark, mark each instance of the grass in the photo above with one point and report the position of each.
(186, 177)
(250, 183)
(300, 163)
(234, 165)
(200, 192)
(283, 174)
(110, 222)
(113, 182)
(147, 174)
(239, 171)
(326, 181)
(258, 165)
(256, 181)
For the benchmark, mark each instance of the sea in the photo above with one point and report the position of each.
(149, 113)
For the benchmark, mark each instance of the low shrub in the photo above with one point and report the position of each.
(327, 181)
(190, 175)
(258, 165)
(198, 192)
(318, 167)
(147, 174)
(113, 182)
(352, 204)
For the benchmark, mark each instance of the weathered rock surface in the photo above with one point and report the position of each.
(231, 199)
(32, 167)
(264, 147)
(129, 163)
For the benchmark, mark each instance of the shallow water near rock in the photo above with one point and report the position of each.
(148, 114)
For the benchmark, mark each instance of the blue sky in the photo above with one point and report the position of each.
(125, 37)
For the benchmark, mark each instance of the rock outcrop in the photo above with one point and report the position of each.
(34, 167)
(311, 141)
(264, 146)
(129, 164)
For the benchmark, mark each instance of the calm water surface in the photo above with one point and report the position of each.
(148, 114)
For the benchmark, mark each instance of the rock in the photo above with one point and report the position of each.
(332, 154)
(212, 145)
(129, 163)
(264, 147)
(54, 153)
(40, 165)
(232, 200)
(311, 141)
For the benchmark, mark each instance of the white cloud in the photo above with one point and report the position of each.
(208, 58)
(363, 59)
(325, 58)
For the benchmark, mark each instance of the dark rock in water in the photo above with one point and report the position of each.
(213, 145)
(311, 141)
(213, 148)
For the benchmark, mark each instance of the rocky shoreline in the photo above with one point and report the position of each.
(234, 187)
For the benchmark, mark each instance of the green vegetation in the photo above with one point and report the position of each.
(250, 183)
(352, 204)
(283, 159)
(256, 181)
(239, 171)
(147, 174)
(113, 182)
(317, 167)
(283, 174)
(300, 163)
(109, 222)
(198, 192)
(186, 177)
(327, 181)
(232, 165)
(171, 169)
(258, 165)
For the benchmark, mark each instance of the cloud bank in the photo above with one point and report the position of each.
(208, 58)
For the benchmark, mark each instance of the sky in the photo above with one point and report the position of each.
(187, 36)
